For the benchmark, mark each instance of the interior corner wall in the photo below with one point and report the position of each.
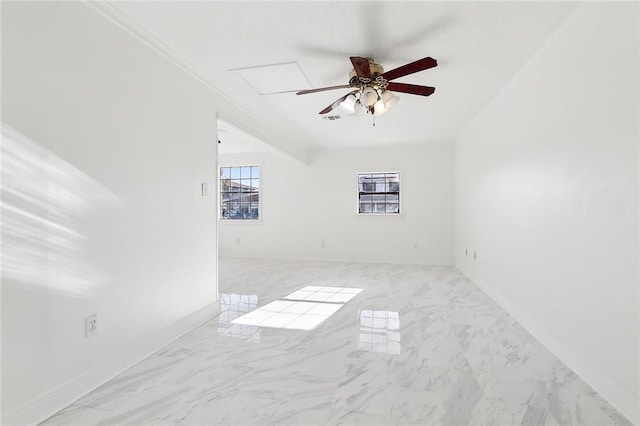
(309, 211)
(105, 146)
(546, 195)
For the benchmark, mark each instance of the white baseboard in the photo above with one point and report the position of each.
(50, 403)
(610, 389)
(245, 254)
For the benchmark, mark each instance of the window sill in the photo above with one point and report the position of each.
(241, 221)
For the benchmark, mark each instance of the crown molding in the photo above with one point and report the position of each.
(230, 109)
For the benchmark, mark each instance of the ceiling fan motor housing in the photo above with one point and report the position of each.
(376, 70)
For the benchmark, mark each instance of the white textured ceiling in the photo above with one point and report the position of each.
(479, 46)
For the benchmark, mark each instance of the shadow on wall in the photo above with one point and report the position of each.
(45, 203)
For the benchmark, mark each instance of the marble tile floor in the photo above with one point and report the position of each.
(419, 345)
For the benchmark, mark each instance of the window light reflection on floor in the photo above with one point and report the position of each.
(314, 293)
(309, 307)
(379, 331)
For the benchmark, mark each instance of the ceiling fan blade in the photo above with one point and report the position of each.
(336, 103)
(419, 65)
(322, 89)
(411, 88)
(361, 66)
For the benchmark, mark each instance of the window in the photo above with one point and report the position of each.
(379, 193)
(240, 193)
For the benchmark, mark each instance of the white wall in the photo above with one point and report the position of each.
(307, 204)
(101, 203)
(546, 193)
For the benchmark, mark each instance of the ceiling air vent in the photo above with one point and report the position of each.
(331, 117)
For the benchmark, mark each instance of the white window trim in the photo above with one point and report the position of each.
(398, 170)
(260, 209)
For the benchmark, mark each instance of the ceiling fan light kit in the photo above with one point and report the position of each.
(373, 87)
(378, 108)
(389, 99)
(358, 110)
(349, 104)
(369, 96)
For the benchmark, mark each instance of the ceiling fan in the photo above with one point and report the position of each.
(372, 86)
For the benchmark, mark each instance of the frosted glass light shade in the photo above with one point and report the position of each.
(348, 104)
(369, 97)
(389, 99)
(358, 109)
(379, 108)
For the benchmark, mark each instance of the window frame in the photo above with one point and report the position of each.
(397, 171)
(219, 192)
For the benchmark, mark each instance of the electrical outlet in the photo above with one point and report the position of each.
(91, 326)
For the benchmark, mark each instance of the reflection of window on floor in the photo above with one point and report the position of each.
(310, 307)
(379, 332)
(233, 306)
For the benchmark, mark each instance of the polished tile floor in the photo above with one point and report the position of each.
(418, 345)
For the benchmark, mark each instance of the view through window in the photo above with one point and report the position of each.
(240, 192)
(379, 193)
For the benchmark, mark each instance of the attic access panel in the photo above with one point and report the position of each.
(276, 78)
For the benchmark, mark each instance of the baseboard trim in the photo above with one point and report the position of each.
(610, 389)
(338, 258)
(50, 403)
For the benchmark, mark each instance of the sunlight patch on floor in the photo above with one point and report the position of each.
(314, 293)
